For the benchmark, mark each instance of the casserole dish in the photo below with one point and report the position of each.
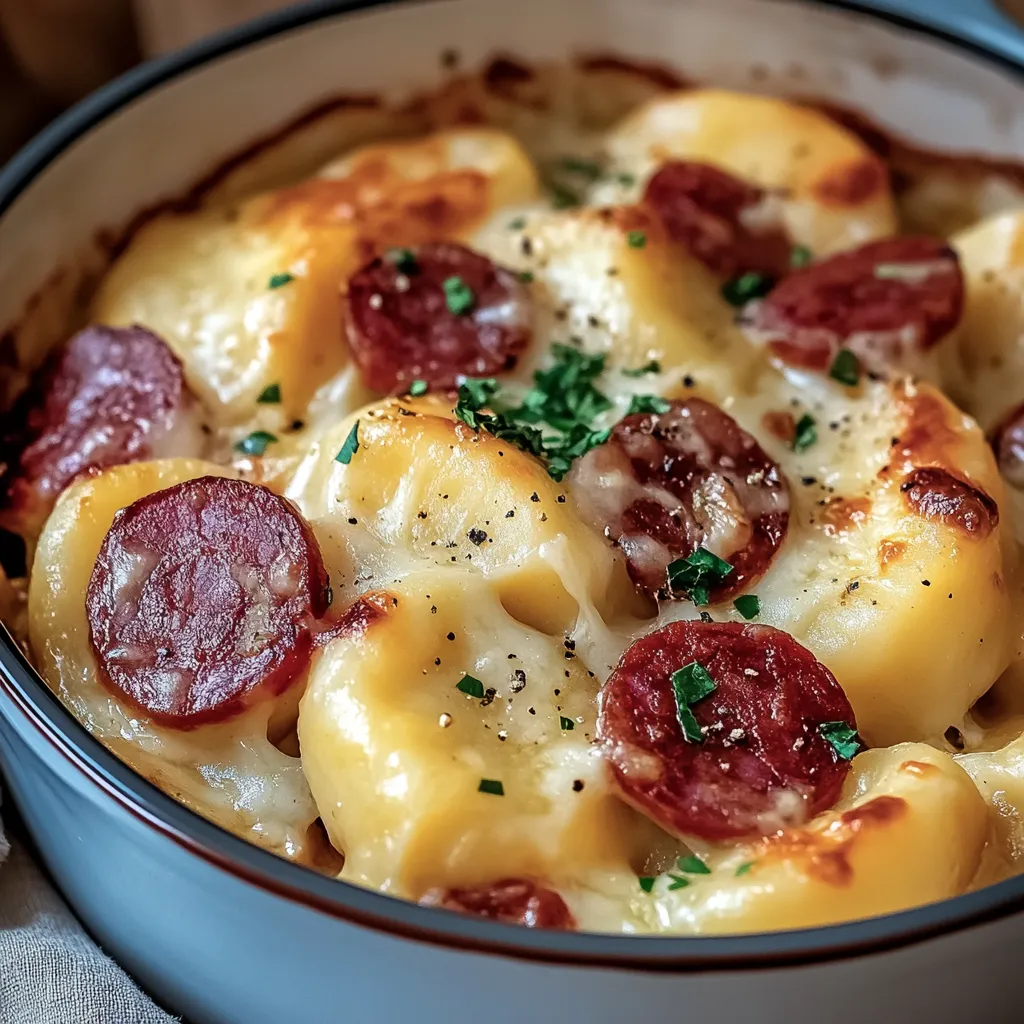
(217, 929)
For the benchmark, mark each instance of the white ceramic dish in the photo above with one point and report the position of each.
(224, 932)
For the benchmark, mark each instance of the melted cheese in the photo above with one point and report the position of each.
(476, 563)
(909, 829)
(203, 280)
(425, 489)
(834, 191)
(231, 773)
(395, 752)
(984, 360)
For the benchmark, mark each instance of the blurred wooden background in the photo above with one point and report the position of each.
(53, 52)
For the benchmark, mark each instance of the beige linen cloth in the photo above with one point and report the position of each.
(52, 52)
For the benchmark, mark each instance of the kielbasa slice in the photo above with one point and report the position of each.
(666, 484)
(111, 395)
(205, 597)
(726, 223)
(439, 313)
(1008, 444)
(760, 759)
(886, 302)
(512, 900)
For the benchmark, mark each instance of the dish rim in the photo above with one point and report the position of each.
(25, 689)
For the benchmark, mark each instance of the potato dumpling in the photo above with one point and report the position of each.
(250, 296)
(448, 744)
(909, 829)
(833, 191)
(424, 488)
(231, 773)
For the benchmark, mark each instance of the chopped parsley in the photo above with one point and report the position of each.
(693, 865)
(744, 868)
(458, 296)
(751, 285)
(697, 574)
(690, 685)
(677, 882)
(567, 724)
(652, 367)
(526, 276)
(563, 396)
(418, 387)
(748, 605)
(492, 786)
(471, 686)
(842, 738)
(589, 169)
(647, 403)
(270, 395)
(564, 198)
(845, 368)
(280, 280)
(256, 443)
(800, 256)
(517, 224)
(806, 433)
(350, 447)
(625, 179)
(647, 883)
(404, 260)
(636, 239)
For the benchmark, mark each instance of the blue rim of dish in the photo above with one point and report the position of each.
(32, 700)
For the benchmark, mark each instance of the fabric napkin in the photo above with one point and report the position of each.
(51, 972)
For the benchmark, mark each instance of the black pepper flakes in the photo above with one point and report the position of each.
(510, 514)
(577, 785)
(451, 636)
(352, 521)
(477, 536)
(535, 496)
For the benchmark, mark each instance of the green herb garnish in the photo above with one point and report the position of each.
(458, 296)
(418, 387)
(800, 256)
(584, 167)
(517, 224)
(652, 367)
(693, 865)
(270, 395)
(564, 198)
(678, 882)
(647, 403)
(625, 179)
(636, 239)
(647, 884)
(744, 868)
(526, 276)
(492, 786)
(350, 447)
(841, 737)
(280, 280)
(751, 285)
(567, 724)
(806, 433)
(404, 260)
(691, 684)
(845, 368)
(256, 443)
(697, 574)
(749, 606)
(471, 686)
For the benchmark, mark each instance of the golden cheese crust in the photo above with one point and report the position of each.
(445, 734)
